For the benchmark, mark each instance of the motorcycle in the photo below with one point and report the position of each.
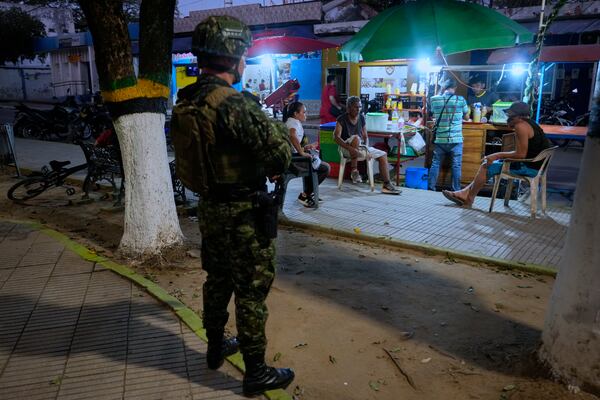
(59, 122)
(95, 119)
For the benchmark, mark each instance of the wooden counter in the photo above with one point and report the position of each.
(477, 142)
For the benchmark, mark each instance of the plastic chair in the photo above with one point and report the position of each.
(534, 182)
(364, 156)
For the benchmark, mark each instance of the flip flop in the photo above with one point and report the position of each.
(450, 196)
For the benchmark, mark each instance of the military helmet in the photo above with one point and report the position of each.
(221, 36)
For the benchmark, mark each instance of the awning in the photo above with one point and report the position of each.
(266, 45)
(562, 27)
(286, 45)
(576, 53)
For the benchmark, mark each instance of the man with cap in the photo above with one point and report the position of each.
(530, 141)
(246, 147)
(449, 110)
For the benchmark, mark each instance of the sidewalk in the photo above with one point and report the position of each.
(426, 220)
(72, 329)
(415, 219)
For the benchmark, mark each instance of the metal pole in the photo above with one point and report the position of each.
(540, 92)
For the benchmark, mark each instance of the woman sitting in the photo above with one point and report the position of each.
(530, 141)
(296, 114)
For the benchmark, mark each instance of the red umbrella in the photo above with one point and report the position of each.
(286, 45)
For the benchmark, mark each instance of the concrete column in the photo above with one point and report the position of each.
(571, 337)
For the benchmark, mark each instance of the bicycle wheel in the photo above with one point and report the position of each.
(27, 189)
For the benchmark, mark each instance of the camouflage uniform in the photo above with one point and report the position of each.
(238, 258)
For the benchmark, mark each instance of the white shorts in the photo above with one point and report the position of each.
(373, 152)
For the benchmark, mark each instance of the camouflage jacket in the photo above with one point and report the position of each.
(249, 146)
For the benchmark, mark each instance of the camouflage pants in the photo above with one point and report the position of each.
(238, 261)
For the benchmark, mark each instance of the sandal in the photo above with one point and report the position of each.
(450, 196)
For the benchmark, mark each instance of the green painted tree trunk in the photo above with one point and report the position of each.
(137, 105)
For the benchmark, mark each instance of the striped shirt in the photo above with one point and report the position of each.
(449, 128)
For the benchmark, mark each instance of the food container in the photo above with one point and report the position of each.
(377, 121)
(498, 115)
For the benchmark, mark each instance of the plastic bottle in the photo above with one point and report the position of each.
(395, 118)
(400, 123)
(477, 113)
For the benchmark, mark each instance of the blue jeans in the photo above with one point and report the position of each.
(440, 150)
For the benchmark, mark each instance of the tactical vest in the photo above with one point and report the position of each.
(204, 164)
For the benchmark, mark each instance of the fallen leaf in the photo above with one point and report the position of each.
(374, 386)
(332, 359)
(277, 356)
(57, 380)
(300, 345)
(508, 388)
(524, 286)
(357, 230)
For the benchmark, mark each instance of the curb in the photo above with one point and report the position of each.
(425, 248)
(185, 314)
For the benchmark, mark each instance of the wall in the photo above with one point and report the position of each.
(25, 83)
(306, 71)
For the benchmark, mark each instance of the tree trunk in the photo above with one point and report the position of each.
(571, 337)
(137, 106)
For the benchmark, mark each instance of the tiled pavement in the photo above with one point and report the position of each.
(70, 329)
(427, 218)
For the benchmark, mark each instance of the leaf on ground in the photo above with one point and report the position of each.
(524, 286)
(57, 380)
(374, 386)
(298, 391)
(395, 350)
(357, 230)
(300, 345)
(508, 388)
(277, 356)
(332, 359)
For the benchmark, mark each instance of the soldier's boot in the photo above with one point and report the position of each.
(218, 349)
(260, 377)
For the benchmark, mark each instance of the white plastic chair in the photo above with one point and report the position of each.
(364, 156)
(534, 182)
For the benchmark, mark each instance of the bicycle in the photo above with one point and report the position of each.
(48, 178)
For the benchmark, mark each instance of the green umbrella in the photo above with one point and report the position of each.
(416, 29)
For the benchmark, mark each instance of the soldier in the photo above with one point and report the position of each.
(237, 253)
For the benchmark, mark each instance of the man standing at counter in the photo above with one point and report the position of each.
(449, 110)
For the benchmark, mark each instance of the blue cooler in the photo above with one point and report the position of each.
(416, 178)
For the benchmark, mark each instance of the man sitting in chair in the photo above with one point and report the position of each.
(530, 141)
(350, 128)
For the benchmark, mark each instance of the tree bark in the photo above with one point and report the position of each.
(571, 336)
(137, 106)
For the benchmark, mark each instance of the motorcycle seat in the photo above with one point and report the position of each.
(57, 165)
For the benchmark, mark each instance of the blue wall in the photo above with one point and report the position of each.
(308, 73)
